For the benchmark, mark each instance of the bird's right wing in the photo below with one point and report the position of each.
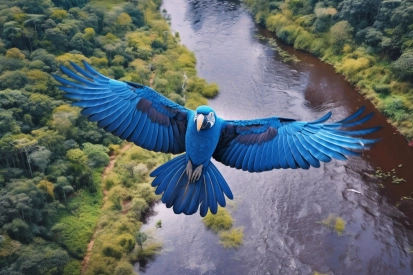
(128, 110)
(273, 143)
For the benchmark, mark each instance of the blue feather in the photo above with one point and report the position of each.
(81, 70)
(159, 138)
(100, 108)
(218, 191)
(240, 155)
(296, 154)
(79, 78)
(305, 153)
(281, 153)
(183, 198)
(112, 114)
(275, 159)
(358, 122)
(138, 128)
(212, 202)
(336, 148)
(124, 117)
(166, 166)
(315, 149)
(145, 137)
(132, 126)
(344, 144)
(152, 139)
(221, 181)
(165, 139)
(107, 112)
(267, 150)
(93, 71)
(259, 158)
(68, 82)
(193, 206)
(252, 157)
(357, 132)
(246, 158)
(88, 96)
(288, 154)
(353, 116)
(322, 119)
(172, 186)
(92, 103)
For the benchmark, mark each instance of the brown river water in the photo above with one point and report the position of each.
(281, 210)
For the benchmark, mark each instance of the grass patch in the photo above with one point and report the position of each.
(76, 222)
(222, 220)
(232, 238)
(72, 268)
(221, 223)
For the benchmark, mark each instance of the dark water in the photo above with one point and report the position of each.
(281, 210)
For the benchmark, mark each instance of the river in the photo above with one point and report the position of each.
(281, 210)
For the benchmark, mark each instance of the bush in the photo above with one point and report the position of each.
(222, 220)
(287, 33)
(127, 241)
(394, 108)
(210, 91)
(112, 250)
(124, 268)
(303, 41)
(232, 238)
(177, 98)
(382, 89)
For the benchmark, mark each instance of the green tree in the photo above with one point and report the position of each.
(140, 238)
(41, 158)
(340, 33)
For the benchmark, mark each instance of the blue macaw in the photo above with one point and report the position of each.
(139, 114)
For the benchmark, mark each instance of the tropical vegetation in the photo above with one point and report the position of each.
(53, 199)
(371, 42)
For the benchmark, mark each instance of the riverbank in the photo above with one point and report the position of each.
(370, 71)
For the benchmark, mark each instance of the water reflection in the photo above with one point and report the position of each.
(281, 211)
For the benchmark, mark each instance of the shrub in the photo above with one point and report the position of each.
(222, 220)
(318, 46)
(303, 41)
(232, 238)
(210, 91)
(351, 66)
(124, 268)
(177, 98)
(382, 89)
(112, 250)
(287, 33)
(126, 241)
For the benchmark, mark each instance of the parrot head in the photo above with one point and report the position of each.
(204, 118)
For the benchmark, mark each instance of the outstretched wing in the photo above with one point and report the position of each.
(273, 143)
(128, 110)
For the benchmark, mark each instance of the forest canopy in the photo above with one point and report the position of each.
(51, 157)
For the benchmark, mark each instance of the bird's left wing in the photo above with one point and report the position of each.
(272, 143)
(128, 110)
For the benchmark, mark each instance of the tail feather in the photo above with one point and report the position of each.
(184, 197)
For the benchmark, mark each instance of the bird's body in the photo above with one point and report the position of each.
(200, 145)
(190, 181)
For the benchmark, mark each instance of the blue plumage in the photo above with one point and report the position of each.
(191, 181)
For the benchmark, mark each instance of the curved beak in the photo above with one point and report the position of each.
(199, 121)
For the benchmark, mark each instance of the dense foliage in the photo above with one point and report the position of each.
(371, 42)
(51, 157)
